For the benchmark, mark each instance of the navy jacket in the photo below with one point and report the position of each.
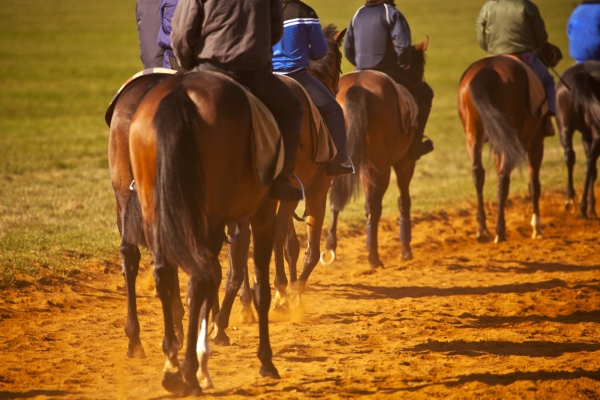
(378, 37)
(302, 40)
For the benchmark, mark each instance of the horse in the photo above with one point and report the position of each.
(191, 156)
(376, 143)
(494, 105)
(316, 184)
(578, 108)
(129, 215)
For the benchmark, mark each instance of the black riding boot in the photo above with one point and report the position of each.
(418, 147)
(282, 188)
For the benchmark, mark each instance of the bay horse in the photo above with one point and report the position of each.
(494, 105)
(316, 184)
(376, 143)
(190, 148)
(129, 215)
(578, 108)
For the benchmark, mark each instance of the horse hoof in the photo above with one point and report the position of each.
(136, 352)
(327, 257)
(281, 308)
(500, 239)
(192, 390)
(269, 372)
(406, 255)
(248, 316)
(173, 382)
(376, 264)
(221, 339)
(537, 235)
(484, 237)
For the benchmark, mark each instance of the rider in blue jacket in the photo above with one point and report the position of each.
(167, 10)
(302, 41)
(583, 30)
(378, 38)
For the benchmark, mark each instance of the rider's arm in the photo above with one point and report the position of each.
(349, 51)
(187, 23)
(401, 34)
(480, 28)
(318, 44)
(538, 28)
(276, 21)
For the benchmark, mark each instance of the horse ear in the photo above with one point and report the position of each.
(340, 36)
(423, 45)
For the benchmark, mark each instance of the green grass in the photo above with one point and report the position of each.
(61, 62)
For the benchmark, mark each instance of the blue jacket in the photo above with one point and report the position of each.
(583, 30)
(378, 37)
(302, 40)
(167, 10)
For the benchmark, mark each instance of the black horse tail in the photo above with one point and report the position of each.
(179, 188)
(347, 186)
(585, 102)
(500, 131)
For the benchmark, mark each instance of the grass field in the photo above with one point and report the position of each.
(62, 61)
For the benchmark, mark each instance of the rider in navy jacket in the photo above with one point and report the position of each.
(302, 41)
(167, 10)
(378, 38)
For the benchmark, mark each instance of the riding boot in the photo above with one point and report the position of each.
(282, 188)
(547, 126)
(418, 147)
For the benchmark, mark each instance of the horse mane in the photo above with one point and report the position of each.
(322, 67)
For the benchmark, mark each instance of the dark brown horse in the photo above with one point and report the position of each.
(578, 108)
(494, 106)
(316, 184)
(190, 148)
(376, 143)
(129, 216)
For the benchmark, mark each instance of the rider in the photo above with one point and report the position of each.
(516, 27)
(583, 30)
(378, 38)
(234, 37)
(167, 9)
(302, 41)
(148, 17)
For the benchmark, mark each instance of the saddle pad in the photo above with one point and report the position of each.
(406, 101)
(537, 93)
(149, 71)
(323, 147)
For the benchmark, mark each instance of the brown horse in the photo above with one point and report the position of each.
(578, 108)
(129, 216)
(316, 184)
(494, 106)
(190, 148)
(376, 143)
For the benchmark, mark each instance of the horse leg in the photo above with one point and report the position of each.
(566, 139)
(591, 173)
(164, 278)
(404, 172)
(291, 251)
(374, 192)
(284, 215)
(535, 155)
(238, 266)
(263, 233)
(316, 206)
(502, 190)
(478, 172)
(331, 242)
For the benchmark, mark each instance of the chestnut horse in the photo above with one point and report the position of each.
(494, 106)
(376, 143)
(578, 108)
(316, 184)
(190, 148)
(129, 216)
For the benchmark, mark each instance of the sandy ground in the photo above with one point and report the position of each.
(461, 320)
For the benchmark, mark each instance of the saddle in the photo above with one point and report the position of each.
(267, 143)
(323, 147)
(408, 105)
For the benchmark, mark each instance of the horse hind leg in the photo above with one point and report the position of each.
(404, 171)
(502, 190)
(535, 155)
(374, 192)
(284, 219)
(591, 173)
(566, 138)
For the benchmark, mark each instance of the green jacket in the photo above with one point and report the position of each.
(510, 26)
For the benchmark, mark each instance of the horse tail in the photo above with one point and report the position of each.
(179, 188)
(585, 102)
(347, 186)
(500, 131)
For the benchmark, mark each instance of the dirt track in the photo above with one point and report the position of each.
(462, 320)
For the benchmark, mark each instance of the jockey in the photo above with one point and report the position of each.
(234, 37)
(516, 27)
(167, 9)
(583, 30)
(378, 38)
(147, 16)
(302, 41)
